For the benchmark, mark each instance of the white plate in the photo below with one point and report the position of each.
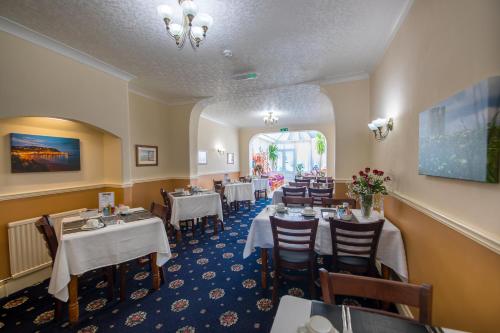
(309, 215)
(87, 228)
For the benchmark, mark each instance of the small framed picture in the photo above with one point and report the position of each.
(146, 155)
(202, 157)
(230, 158)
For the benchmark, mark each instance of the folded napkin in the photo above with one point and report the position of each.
(135, 210)
(71, 219)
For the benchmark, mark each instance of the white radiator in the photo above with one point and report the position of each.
(27, 250)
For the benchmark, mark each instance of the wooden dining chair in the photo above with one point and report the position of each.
(297, 201)
(420, 296)
(325, 180)
(294, 192)
(294, 250)
(317, 194)
(161, 211)
(323, 185)
(298, 184)
(47, 231)
(217, 183)
(329, 202)
(354, 246)
(243, 179)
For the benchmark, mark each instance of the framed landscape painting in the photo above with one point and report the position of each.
(146, 155)
(38, 153)
(460, 137)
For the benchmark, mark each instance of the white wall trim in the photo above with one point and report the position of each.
(216, 173)
(343, 78)
(12, 285)
(204, 116)
(21, 195)
(140, 92)
(37, 38)
(489, 241)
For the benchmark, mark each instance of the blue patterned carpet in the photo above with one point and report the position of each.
(209, 288)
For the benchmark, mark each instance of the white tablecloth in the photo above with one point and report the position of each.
(83, 251)
(391, 251)
(195, 206)
(294, 312)
(260, 184)
(239, 192)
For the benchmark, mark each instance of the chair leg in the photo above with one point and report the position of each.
(312, 277)
(276, 284)
(123, 282)
(162, 274)
(110, 273)
(58, 309)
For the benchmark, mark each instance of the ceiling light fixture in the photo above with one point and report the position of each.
(194, 26)
(270, 120)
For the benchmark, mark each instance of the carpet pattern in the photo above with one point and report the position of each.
(209, 288)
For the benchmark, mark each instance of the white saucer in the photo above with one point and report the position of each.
(87, 228)
(311, 214)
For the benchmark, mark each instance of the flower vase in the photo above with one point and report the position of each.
(366, 201)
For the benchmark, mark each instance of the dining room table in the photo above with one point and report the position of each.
(119, 238)
(294, 313)
(195, 205)
(261, 184)
(391, 251)
(238, 192)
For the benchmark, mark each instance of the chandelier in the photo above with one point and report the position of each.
(270, 120)
(194, 26)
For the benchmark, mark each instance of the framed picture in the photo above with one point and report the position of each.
(146, 155)
(230, 158)
(202, 157)
(38, 153)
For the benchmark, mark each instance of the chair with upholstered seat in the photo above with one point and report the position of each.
(333, 284)
(329, 202)
(297, 201)
(354, 246)
(47, 231)
(293, 250)
(319, 193)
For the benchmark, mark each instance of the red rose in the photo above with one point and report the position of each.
(381, 173)
(361, 173)
(354, 177)
(367, 170)
(375, 171)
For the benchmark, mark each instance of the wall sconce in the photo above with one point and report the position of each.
(381, 127)
(220, 150)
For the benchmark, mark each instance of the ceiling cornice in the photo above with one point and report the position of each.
(34, 37)
(217, 121)
(343, 78)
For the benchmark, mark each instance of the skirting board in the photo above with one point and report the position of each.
(10, 286)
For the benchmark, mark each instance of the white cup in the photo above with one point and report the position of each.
(308, 210)
(319, 324)
(280, 206)
(92, 223)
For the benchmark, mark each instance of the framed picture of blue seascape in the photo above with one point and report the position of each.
(37, 153)
(460, 137)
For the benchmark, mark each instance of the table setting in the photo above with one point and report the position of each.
(305, 316)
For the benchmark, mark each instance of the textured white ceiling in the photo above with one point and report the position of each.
(293, 105)
(287, 41)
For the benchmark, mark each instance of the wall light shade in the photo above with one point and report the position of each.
(381, 127)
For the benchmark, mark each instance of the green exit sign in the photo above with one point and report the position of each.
(284, 129)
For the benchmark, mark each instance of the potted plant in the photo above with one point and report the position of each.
(365, 186)
(299, 168)
(273, 155)
(320, 147)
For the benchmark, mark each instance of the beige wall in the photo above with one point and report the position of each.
(442, 48)
(36, 81)
(179, 138)
(351, 105)
(212, 135)
(246, 134)
(92, 153)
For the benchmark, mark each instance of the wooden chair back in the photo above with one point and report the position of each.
(329, 202)
(355, 239)
(299, 184)
(160, 211)
(264, 176)
(244, 179)
(297, 201)
(43, 226)
(294, 236)
(325, 180)
(317, 194)
(217, 183)
(419, 296)
(323, 185)
(294, 192)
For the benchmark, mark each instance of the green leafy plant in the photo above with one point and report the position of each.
(493, 153)
(300, 169)
(320, 147)
(273, 154)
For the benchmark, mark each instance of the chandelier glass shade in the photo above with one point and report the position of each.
(270, 120)
(194, 25)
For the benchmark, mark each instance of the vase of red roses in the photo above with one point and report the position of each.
(366, 186)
